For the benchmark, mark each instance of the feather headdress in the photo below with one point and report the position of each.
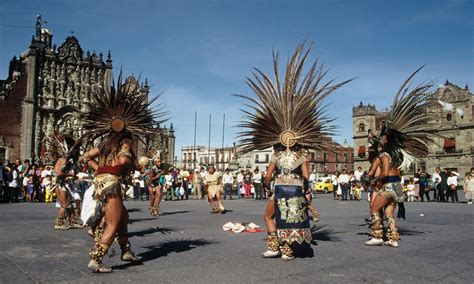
(288, 112)
(120, 111)
(409, 128)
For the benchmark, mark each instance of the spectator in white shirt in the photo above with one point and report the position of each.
(435, 179)
(343, 181)
(358, 174)
(335, 185)
(453, 187)
(311, 179)
(257, 184)
(240, 180)
(136, 184)
(228, 181)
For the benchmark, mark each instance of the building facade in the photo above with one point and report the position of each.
(453, 149)
(201, 156)
(45, 89)
(334, 158)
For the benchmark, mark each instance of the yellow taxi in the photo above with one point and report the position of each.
(323, 185)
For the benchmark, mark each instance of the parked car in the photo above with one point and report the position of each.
(324, 185)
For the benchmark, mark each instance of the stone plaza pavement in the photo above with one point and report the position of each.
(186, 244)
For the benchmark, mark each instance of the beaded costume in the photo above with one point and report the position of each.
(288, 115)
(117, 117)
(404, 138)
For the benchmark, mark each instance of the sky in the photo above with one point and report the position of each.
(198, 53)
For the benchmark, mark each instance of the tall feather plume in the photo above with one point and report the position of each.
(410, 117)
(294, 103)
(125, 102)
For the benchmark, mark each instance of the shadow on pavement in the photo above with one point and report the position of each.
(402, 231)
(150, 231)
(163, 249)
(130, 210)
(325, 235)
(131, 221)
(174, 212)
(407, 232)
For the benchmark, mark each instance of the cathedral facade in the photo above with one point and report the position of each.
(45, 87)
(453, 149)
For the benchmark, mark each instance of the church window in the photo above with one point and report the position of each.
(449, 117)
(361, 127)
(449, 145)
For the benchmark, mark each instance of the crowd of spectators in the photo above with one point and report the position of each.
(31, 182)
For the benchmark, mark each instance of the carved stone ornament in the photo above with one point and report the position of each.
(70, 49)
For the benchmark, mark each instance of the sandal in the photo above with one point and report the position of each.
(315, 216)
(152, 211)
(129, 256)
(98, 267)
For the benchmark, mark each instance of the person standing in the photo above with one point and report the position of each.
(404, 137)
(287, 116)
(202, 175)
(443, 186)
(120, 115)
(434, 184)
(136, 184)
(185, 176)
(469, 186)
(197, 184)
(14, 183)
(257, 184)
(11, 179)
(343, 180)
(154, 187)
(169, 186)
(262, 182)
(453, 186)
(411, 190)
(424, 188)
(227, 180)
(335, 184)
(214, 190)
(240, 180)
(247, 183)
(311, 180)
(358, 174)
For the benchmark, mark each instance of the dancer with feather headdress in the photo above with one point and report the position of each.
(155, 173)
(65, 175)
(403, 138)
(117, 117)
(289, 117)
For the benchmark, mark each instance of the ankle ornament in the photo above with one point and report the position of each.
(272, 242)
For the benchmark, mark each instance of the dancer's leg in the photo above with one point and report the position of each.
(273, 245)
(62, 211)
(376, 229)
(127, 254)
(151, 189)
(393, 235)
(113, 214)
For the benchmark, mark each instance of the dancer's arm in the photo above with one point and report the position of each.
(268, 177)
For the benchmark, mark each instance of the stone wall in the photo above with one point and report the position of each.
(10, 116)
